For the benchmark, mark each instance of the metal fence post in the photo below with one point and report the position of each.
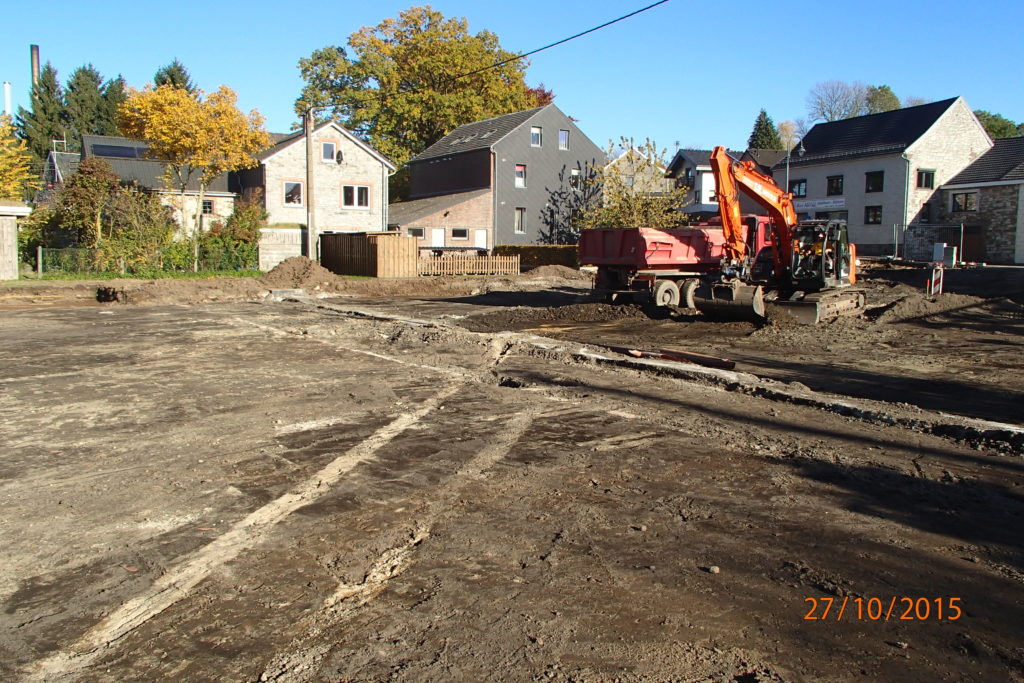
(960, 254)
(39, 260)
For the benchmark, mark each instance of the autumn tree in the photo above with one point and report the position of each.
(880, 99)
(764, 135)
(16, 176)
(44, 122)
(789, 134)
(197, 139)
(630, 194)
(996, 125)
(176, 75)
(406, 83)
(84, 199)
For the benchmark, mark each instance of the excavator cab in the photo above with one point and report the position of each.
(822, 256)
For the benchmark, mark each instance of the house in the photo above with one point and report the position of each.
(764, 158)
(639, 173)
(350, 193)
(351, 190)
(880, 172)
(691, 168)
(987, 198)
(127, 159)
(488, 183)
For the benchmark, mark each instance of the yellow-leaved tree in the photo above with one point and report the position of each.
(15, 174)
(196, 138)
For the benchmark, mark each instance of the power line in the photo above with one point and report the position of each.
(559, 42)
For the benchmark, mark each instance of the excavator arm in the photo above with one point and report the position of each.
(732, 177)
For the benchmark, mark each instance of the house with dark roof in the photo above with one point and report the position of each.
(880, 172)
(691, 168)
(987, 198)
(488, 182)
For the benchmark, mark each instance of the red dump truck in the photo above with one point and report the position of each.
(668, 265)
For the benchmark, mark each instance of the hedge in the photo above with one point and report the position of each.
(533, 255)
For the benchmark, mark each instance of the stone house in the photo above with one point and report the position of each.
(350, 192)
(489, 182)
(987, 198)
(880, 172)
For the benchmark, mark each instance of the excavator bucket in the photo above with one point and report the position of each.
(730, 300)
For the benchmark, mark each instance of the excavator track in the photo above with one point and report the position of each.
(816, 307)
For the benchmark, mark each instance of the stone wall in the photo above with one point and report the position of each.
(278, 243)
(998, 218)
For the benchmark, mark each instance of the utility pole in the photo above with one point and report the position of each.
(311, 232)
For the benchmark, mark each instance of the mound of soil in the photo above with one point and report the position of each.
(298, 272)
(563, 272)
(919, 305)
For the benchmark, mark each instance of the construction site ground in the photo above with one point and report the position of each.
(303, 477)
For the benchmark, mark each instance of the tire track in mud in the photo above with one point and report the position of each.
(180, 580)
(307, 651)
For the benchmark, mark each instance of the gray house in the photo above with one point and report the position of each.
(488, 183)
(880, 172)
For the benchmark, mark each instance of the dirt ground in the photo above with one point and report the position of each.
(456, 479)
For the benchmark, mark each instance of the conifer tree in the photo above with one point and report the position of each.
(114, 93)
(174, 74)
(45, 121)
(764, 135)
(85, 111)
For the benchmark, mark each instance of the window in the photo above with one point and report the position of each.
(926, 178)
(872, 215)
(964, 201)
(328, 150)
(207, 207)
(460, 234)
(563, 139)
(834, 185)
(520, 175)
(292, 193)
(874, 181)
(798, 187)
(536, 136)
(355, 196)
(520, 220)
(416, 232)
(575, 180)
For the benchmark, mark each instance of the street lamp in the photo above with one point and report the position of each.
(800, 152)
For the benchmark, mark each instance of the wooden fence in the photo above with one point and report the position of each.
(369, 254)
(469, 265)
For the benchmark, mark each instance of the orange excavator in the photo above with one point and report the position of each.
(806, 268)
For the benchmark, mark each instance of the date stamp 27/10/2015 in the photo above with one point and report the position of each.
(895, 608)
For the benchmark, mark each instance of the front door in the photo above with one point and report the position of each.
(480, 239)
(437, 237)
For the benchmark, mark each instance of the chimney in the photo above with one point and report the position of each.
(34, 49)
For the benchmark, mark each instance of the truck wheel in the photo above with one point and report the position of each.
(686, 299)
(666, 293)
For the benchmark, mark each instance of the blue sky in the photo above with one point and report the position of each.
(696, 73)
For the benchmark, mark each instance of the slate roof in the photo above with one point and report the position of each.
(766, 158)
(477, 135)
(147, 173)
(871, 135)
(699, 157)
(1005, 161)
(282, 140)
(407, 213)
(65, 163)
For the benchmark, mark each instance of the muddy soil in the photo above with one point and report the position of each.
(384, 484)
